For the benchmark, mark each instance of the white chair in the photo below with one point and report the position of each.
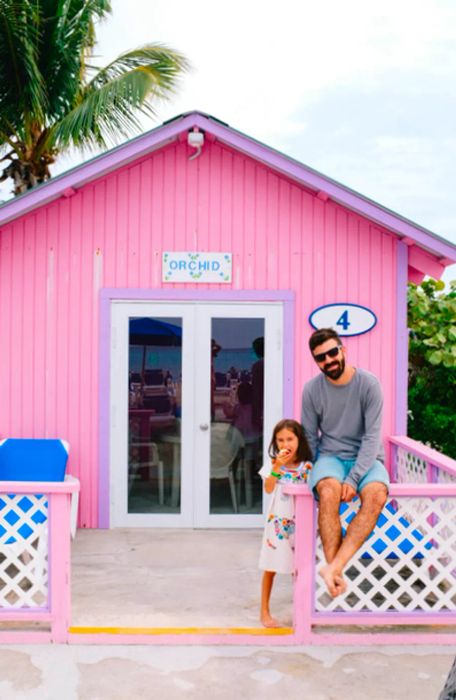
(227, 454)
(153, 462)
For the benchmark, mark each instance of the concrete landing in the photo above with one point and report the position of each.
(171, 578)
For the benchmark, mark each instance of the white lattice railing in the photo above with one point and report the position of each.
(408, 565)
(35, 558)
(23, 551)
(413, 462)
(405, 573)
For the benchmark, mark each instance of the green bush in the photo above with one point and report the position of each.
(432, 365)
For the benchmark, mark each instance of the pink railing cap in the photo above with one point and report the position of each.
(429, 454)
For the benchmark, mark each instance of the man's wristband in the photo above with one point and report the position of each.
(277, 476)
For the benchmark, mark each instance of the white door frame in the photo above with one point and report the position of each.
(108, 296)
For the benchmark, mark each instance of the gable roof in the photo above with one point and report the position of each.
(413, 235)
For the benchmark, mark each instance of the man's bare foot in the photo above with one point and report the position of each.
(334, 580)
(268, 621)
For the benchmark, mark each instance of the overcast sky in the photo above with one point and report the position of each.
(364, 92)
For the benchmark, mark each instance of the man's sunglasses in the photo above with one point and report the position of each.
(330, 353)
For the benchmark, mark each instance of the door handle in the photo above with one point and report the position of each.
(204, 426)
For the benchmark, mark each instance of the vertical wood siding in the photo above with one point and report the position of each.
(112, 233)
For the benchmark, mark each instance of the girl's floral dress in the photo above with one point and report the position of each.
(277, 548)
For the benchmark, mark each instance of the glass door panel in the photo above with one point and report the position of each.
(151, 389)
(195, 391)
(239, 372)
(154, 412)
(237, 399)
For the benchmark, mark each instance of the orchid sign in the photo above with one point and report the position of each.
(197, 267)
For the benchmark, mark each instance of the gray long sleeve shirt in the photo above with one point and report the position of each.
(345, 420)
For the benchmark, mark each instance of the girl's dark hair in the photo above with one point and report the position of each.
(303, 453)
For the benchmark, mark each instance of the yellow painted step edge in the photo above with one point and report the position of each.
(258, 631)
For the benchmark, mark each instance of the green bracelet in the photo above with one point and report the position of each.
(277, 476)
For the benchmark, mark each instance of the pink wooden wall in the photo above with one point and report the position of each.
(112, 232)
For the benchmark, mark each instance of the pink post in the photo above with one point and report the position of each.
(59, 558)
(393, 461)
(304, 562)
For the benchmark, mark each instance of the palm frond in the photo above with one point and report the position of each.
(163, 64)
(111, 103)
(69, 35)
(47, 101)
(22, 89)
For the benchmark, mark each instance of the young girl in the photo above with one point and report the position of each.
(289, 452)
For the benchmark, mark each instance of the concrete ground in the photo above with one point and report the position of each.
(216, 673)
(201, 578)
(171, 578)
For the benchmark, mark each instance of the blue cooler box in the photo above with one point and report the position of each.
(23, 459)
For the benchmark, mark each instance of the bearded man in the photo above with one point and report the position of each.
(342, 416)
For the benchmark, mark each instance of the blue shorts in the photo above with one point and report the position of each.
(331, 466)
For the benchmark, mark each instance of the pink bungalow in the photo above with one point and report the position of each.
(156, 303)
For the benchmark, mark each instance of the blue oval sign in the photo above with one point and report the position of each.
(346, 319)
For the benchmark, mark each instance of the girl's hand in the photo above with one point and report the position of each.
(269, 483)
(277, 465)
(271, 480)
(282, 458)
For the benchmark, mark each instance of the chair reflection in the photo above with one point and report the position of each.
(137, 464)
(227, 456)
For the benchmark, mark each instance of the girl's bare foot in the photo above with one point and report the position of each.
(268, 621)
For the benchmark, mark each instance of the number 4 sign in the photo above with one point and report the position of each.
(347, 319)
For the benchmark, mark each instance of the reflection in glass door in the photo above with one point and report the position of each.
(151, 447)
(195, 392)
(154, 413)
(237, 400)
(239, 380)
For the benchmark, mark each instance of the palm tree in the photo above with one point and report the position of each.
(52, 99)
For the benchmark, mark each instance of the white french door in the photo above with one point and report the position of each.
(195, 391)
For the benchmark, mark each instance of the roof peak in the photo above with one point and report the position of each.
(158, 137)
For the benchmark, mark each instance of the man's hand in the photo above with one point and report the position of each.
(348, 493)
